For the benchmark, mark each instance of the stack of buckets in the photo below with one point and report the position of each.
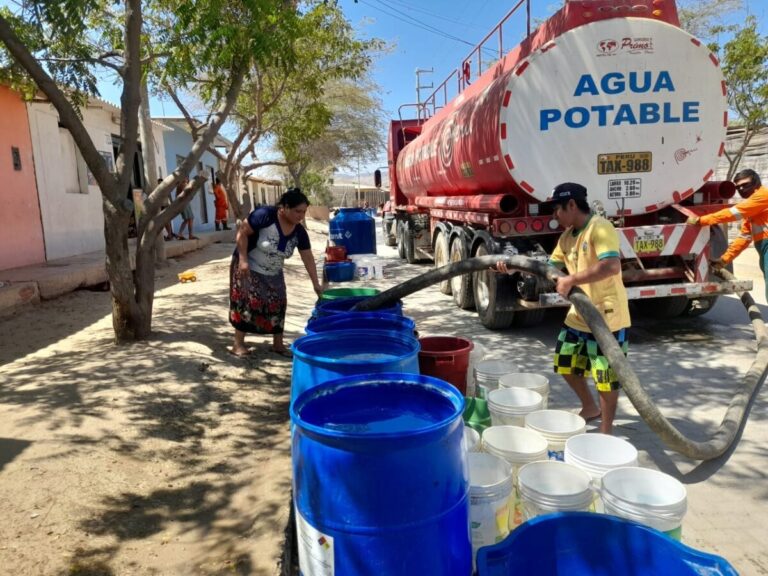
(373, 407)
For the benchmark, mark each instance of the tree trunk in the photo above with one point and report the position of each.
(148, 153)
(118, 263)
(145, 287)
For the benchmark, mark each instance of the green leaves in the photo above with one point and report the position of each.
(744, 60)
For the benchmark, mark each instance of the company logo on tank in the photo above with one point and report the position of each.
(618, 84)
(612, 47)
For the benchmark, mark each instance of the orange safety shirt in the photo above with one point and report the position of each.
(753, 213)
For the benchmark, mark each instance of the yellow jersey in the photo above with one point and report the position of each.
(578, 250)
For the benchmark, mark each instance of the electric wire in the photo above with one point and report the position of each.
(407, 19)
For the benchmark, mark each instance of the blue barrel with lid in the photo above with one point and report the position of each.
(362, 321)
(342, 305)
(325, 356)
(354, 229)
(380, 478)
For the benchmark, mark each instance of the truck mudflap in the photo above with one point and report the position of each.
(689, 289)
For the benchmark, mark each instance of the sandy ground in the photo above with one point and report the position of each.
(162, 457)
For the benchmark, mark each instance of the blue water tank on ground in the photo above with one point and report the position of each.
(354, 229)
(362, 321)
(563, 544)
(380, 478)
(345, 305)
(318, 358)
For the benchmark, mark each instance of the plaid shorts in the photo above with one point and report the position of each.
(578, 353)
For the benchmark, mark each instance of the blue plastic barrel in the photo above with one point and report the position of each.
(380, 478)
(340, 305)
(330, 355)
(564, 544)
(362, 321)
(354, 229)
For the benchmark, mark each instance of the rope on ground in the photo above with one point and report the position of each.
(737, 411)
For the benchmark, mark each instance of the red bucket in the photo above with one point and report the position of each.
(335, 254)
(447, 358)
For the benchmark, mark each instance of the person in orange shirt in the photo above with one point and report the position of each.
(753, 214)
(220, 202)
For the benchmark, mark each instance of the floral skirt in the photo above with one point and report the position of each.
(259, 309)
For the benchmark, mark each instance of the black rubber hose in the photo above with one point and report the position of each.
(671, 436)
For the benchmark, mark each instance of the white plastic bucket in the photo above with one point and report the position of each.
(477, 354)
(378, 269)
(549, 486)
(556, 426)
(472, 439)
(487, 374)
(490, 488)
(508, 406)
(518, 446)
(364, 265)
(646, 496)
(598, 453)
(536, 382)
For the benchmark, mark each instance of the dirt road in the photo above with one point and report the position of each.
(162, 457)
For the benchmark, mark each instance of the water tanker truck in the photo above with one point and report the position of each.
(611, 94)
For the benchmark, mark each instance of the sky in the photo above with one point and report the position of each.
(436, 34)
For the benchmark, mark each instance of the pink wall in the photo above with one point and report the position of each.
(21, 232)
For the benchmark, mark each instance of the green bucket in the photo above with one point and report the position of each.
(476, 414)
(335, 293)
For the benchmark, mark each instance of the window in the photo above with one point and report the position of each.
(73, 171)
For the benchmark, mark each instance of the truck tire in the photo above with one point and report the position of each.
(408, 246)
(528, 318)
(666, 307)
(386, 229)
(491, 291)
(461, 286)
(400, 233)
(440, 250)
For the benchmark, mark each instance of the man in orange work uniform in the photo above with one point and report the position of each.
(753, 213)
(220, 202)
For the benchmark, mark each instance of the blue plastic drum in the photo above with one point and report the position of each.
(380, 478)
(362, 321)
(354, 229)
(326, 356)
(564, 544)
(346, 304)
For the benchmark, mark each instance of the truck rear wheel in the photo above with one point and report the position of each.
(442, 258)
(461, 286)
(408, 244)
(400, 239)
(491, 290)
(666, 307)
(386, 230)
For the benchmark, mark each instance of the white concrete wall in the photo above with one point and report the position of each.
(162, 169)
(70, 200)
(71, 209)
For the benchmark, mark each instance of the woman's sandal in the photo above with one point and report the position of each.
(245, 354)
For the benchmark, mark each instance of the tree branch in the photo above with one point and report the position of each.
(68, 116)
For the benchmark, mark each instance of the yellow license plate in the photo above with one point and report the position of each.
(649, 244)
(624, 163)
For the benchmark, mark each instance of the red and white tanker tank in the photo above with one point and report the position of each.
(618, 98)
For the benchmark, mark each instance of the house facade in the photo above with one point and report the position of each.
(70, 200)
(263, 191)
(21, 228)
(178, 142)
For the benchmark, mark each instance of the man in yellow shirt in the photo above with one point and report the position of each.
(753, 213)
(589, 251)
